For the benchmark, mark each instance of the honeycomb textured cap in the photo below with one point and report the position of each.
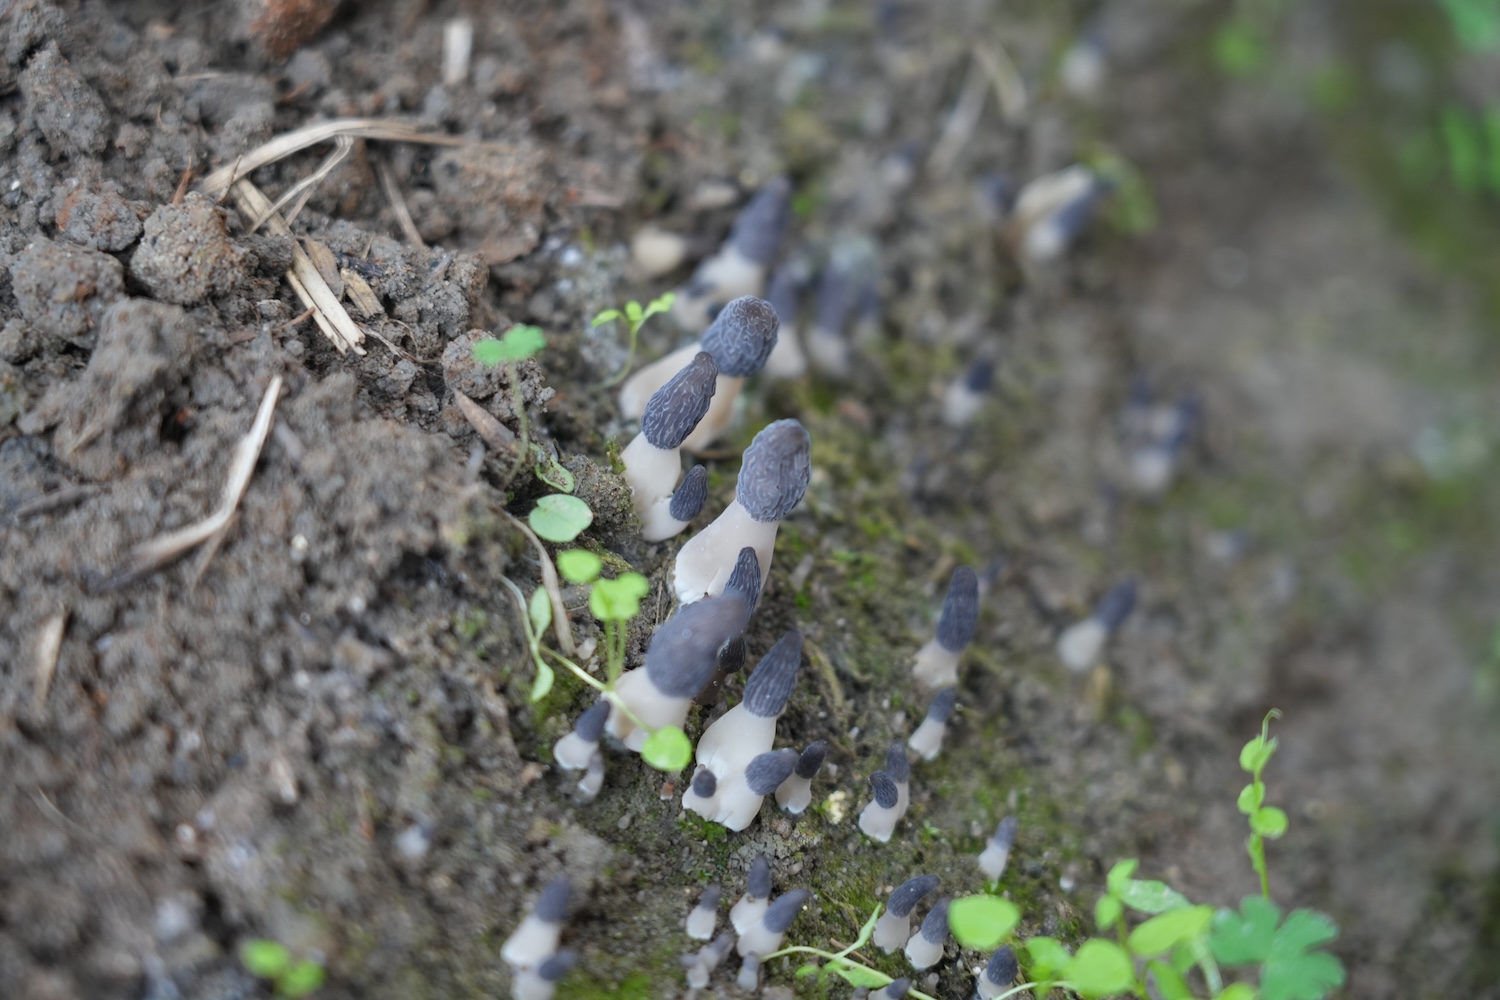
(744, 579)
(960, 611)
(896, 764)
(591, 723)
(812, 759)
(758, 885)
(758, 230)
(1003, 967)
(943, 703)
(910, 892)
(690, 495)
(676, 408)
(771, 682)
(742, 336)
(776, 470)
(765, 773)
(781, 913)
(684, 653)
(552, 905)
(886, 796)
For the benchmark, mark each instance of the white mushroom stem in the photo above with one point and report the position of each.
(927, 741)
(726, 275)
(653, 708)
(651, 473)
(705, 562)
(749, 977)
(593, 778)
(891, 931)
(1081, 643)
(735, 807)
(922, 953)
(787, 359)
(528, 985)
(573, 752)
(657, 522)
(993, 859)
(704, 918)
(747, 912)
(795, 795)
(735, 739)
(936, 667)
(532, 943)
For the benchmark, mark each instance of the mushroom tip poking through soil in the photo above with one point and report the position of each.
(996, 853)
(652, 461)
(795, 793)
(998, 974)
(937, 662)
(966, 395)
(925, 948)
(893, 929)
(701, 964)
(541, 982)
(739, 267)
(704, 917)
(765, 935)
(1080, 644)
(535, 940)
(878, 819)
(927, 741)
(773, 477)
(748, 909)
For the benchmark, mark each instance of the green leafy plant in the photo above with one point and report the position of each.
(516, 345)
(841, 964)
(635, 316)
(272, 960)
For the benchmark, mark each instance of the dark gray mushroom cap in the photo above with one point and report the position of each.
(896, 764)
(758, 230)
(941, 709)
(910, 892)
(591, 723)
(812, 759)
(835, 296)
(935, 924)
(768, 770)
(705, 783)
(552, 905)
(781, 913)
(896, 989)
(775, 472)
(960, 611)
(732, 656)
(782, 293)
(1115, 606)
(980, 376)
(690, 495)
(1003, 967)
(1005, 833)
(770, 683)
(758, 883)
(675, 409)
(710, 898)
(557, 966)
(744, 579)
(684, 653)
(885, 790)
(742, 336)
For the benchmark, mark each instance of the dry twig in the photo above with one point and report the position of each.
(48, 647)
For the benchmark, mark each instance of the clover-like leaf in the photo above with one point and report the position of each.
(604, 317)
(1107, 911)
(618, 599)
(1099, 968)
(667, 749)
(579, 565)
(266, 959)
(301, 979)
(1269, 822)
(1165, 931)
(1251, 797)
(558, 517)
(1244, 937)
(982, 921)
(1045, 957)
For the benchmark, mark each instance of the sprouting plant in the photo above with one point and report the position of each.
(516, 345)
(1266, 822)
(839, 963)
(635, 316)
(272, 960)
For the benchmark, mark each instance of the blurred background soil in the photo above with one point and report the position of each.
(317, 729)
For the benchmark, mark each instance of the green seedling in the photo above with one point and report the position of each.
(635, 316)
(516, 345)
(840, 964)
(272, 960)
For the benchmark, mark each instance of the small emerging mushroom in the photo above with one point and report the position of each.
(541, 982)
(739, 268)
(998, 974)
(787, 359)
(937, 662)
(996, 853)
(893, 990)
(704, 917)
(653, 461)
(925, 949)
(684, 656)
(701, 963)
(1158, 435)
(535, 940)
(966, 395)
(573, 751)
(773, 476)
(749, 977)
(894, 926)
(828, 346)
(1052, 210)
(748, 910)
(878, 819)
(898, 769)
(1080, 644)
(739, 803)
(927, 741)
(795, 793)
(765, 935)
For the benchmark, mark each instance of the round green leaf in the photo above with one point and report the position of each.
(522, 341)
(1251, 797)
(558, 517)
(1120, 874)
(982, 921)
(1169, 982)
(1107, 911)
(300, 980)
(667, 749)
(579, 565)
(1045, 957)
(1100, 968)
(618, 600)
(1237, 991)
(1269, 822)
(1162, 933)
(539, 611)
(266, 959)
(543, 683)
